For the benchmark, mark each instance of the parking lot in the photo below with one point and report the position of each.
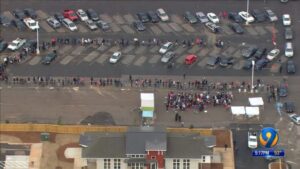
(144, 59)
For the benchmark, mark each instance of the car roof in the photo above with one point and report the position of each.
(190, 56)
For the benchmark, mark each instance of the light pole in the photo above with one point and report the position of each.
(252, 78)
(37, 39)
(247, 23)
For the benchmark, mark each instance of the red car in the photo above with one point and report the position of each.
(190, 59)
(70, 14)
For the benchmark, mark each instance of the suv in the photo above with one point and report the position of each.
(289, 52)
(258, 15)
(49, 58)
(252, 139)
(212, 27)
(190, 17)
(16, 44)
(102, 25)
(234, 16)
(53, 22)
(249, 51)
(92, 14)
(70, 14)
(153, 16)
(143, 17)
(69, 24)
(31, 24)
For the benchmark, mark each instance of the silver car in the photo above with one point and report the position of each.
(202, 17)
(91, 24)
(167, 57)
(53, 23)
(271, 15)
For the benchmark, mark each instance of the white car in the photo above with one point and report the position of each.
(295, 118)
(69, 24)
(166, 47)
(286, 19)
(213, 17)
(252, 139)
(16, 44)
(115, 57)
(162, 15)
(272, 54)
(82, 15)
(91, 25)
(246, 16)
(31, 24)
(289, 52)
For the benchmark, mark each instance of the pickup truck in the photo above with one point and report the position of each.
(252, 139)
(16, 44)
(31, 24)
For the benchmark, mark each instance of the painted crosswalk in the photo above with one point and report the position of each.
(66, 60)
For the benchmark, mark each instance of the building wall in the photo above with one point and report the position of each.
(159, 156)
(194, 163)
(100, 163)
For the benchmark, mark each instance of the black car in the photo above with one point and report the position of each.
(58, 16)
(237, 28)
(226, 61)
(282, 90)
(143, 17)
(247, 64)
(4, 21)
(19, 14)
(102, 25)
(139, 25)
(191, 18)
(92, 14)
(3, 46)
(259, 15)
(234, 16)
(49, 58)
(153, 16)
(30, 44)
(261, 63)
(213, 61)
(260, 53)
(30, 12)
(289, 107)
(19, 24)
(290, 67)
(288, 33)
(249, 51)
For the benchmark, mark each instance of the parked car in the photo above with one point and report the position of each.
(247, 64)
(286, 20)
(103, 25)
(202, 17)
(116, 56)
(249, 51)
(5, 21)
(246, 16)
(16, 44)
(30, 13)
(226, 61)
(70, 14)
(190, 59)
(273, 54)
(168, 57)
(190, 17)
(288, 33)
(166, 47)
(91, 25)
(289, 51)
(19, 14)
(213, 17)
(213, 61)
(234, 16)
(271, 15)
(69, 24)
(289, 107)
(93, 15)
(212, 27)
(283, 90)
(290, 67)
(259, 15)
(30, 44)
(19, 24)
(46, 60)
(143, 17)
(3, 46)
(31, 24)
(139, 26)
(82, 15)
(162, 15)
(237, 28)
(261, 63)
(295, 118)
(53, 23)
(261, 52)
(58, 16)
(153, 16)
(252, 140)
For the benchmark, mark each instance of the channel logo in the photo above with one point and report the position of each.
(268, 137)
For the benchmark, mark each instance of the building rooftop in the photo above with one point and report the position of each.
(12, 155)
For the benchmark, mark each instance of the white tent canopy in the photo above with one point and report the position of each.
(147, 96)
(147, 100)
(256, 101)
(238, 110)
(252, 111)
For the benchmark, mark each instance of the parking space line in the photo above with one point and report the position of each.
(260, 30)
(188, 28)
(78, 50)
(41, 14)
(251, 30)
(8, 15)
(140, 61)
(102, 58)
(155, 30)
(237, 54)
(119, 19)
(106, 18)
(203, 52)
(180, 59)
(176, 19)
(102, 48)
(66, 60)
(140, 50)
(271, 29)
(128, 59)
(115, 27)
(180, 50)
(165, 27)
(228, 51)
(154, 49)
(35, 60)
(215, 51)
(61, 30)
(114, 49)
(129, 18)
(203, 62)
(194, 49)
(45, 26)
(127, 29)
(154, 59)
(91, 56)
(128, 49)
(175, 26)
(64, 49)
(82, 29)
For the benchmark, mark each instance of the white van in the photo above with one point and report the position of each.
(289, 52)
(69, 24)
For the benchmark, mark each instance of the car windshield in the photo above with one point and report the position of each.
(14, 44)
(166, 46)
(73, 14)
(272, 53)
(213, 16)
(115, 56)
(32, 24)
(71, 24)
(252, 140)
(83, 14)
